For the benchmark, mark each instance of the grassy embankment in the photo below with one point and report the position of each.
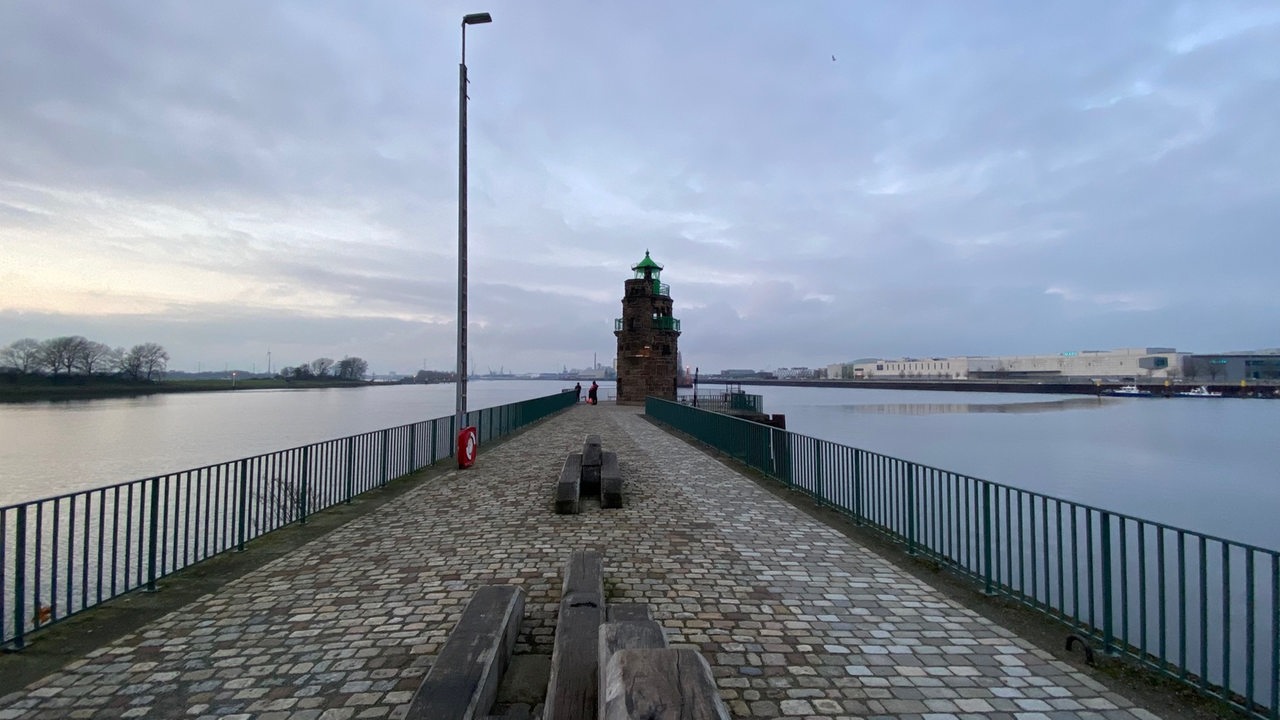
(31, 389)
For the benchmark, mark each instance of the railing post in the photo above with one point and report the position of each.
(793, 461)
(818, 484)
(857, 486)
(780, 444)
(386, 448)
(351, 467)
(413, 447)
(242, 515)
(306, 481)
(432, 449)
(153, 539)
(1275, 644)
(1107, 629)
(20, 582)
(911, 509)
(986, 538)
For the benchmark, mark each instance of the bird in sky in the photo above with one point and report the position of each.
(833, 58)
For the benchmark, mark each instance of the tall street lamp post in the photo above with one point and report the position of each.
(461, 409)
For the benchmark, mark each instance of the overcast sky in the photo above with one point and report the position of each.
(821, 180)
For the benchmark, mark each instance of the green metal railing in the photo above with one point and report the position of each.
(63, 554)
(1198, 608)
(659, 323)
(666, 323)
(726, 402)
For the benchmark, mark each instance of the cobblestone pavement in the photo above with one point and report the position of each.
(795, 619)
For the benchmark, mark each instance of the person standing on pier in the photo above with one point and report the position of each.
(577, 387)
(593, 393)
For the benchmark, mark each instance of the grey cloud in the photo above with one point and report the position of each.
(241, 97)
(962, 179)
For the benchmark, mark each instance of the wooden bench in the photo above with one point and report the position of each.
(591, 460)
(590, 473)
(573, 690)
(660, 684)
(634, 634)
(610, 481)
(567, 488)
(463, 681)
(621, 669)
(642, 679)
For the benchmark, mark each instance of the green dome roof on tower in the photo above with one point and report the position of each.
(647, 264)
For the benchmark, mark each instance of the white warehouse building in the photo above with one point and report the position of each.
(1149, 363)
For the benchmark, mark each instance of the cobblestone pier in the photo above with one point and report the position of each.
(796, 619)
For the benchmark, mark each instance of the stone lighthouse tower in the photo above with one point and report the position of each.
(646, 335)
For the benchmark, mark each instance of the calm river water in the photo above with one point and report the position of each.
(1208, 465)
(49, 448)
(1205, 464)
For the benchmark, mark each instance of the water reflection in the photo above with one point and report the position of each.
(1036, 406)
(47, 448)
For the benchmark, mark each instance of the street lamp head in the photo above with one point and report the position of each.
(477, 19)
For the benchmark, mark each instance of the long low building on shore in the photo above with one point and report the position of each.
(1125, 364)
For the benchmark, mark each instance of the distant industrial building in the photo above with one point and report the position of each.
(1129, 364)
(1233, 367)
(794, 373)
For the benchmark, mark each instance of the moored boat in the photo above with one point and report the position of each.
(1128, 391)
(1202, 391)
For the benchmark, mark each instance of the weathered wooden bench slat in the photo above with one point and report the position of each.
(515, 712)
(591, 459)
(660, 684)
(591, 450)
(567, 487)
(618, 612)
(463, 682)
(626, 635)
(630, 635)
(610, 481)
(573, 690)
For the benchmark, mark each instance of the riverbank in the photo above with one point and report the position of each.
(37, 389)
(1047, 387)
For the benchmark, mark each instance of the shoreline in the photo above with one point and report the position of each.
(106, 388)
(1082, 387)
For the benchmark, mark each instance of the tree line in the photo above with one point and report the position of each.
(348, 368)
(78, 355)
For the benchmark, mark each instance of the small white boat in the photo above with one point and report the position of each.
(1201, 391)
(1129, 391)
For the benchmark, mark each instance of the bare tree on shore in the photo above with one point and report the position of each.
(62, 353)
(24, 355)
(352, 368)
(147, 361)
(320, 366)
(95, 357)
